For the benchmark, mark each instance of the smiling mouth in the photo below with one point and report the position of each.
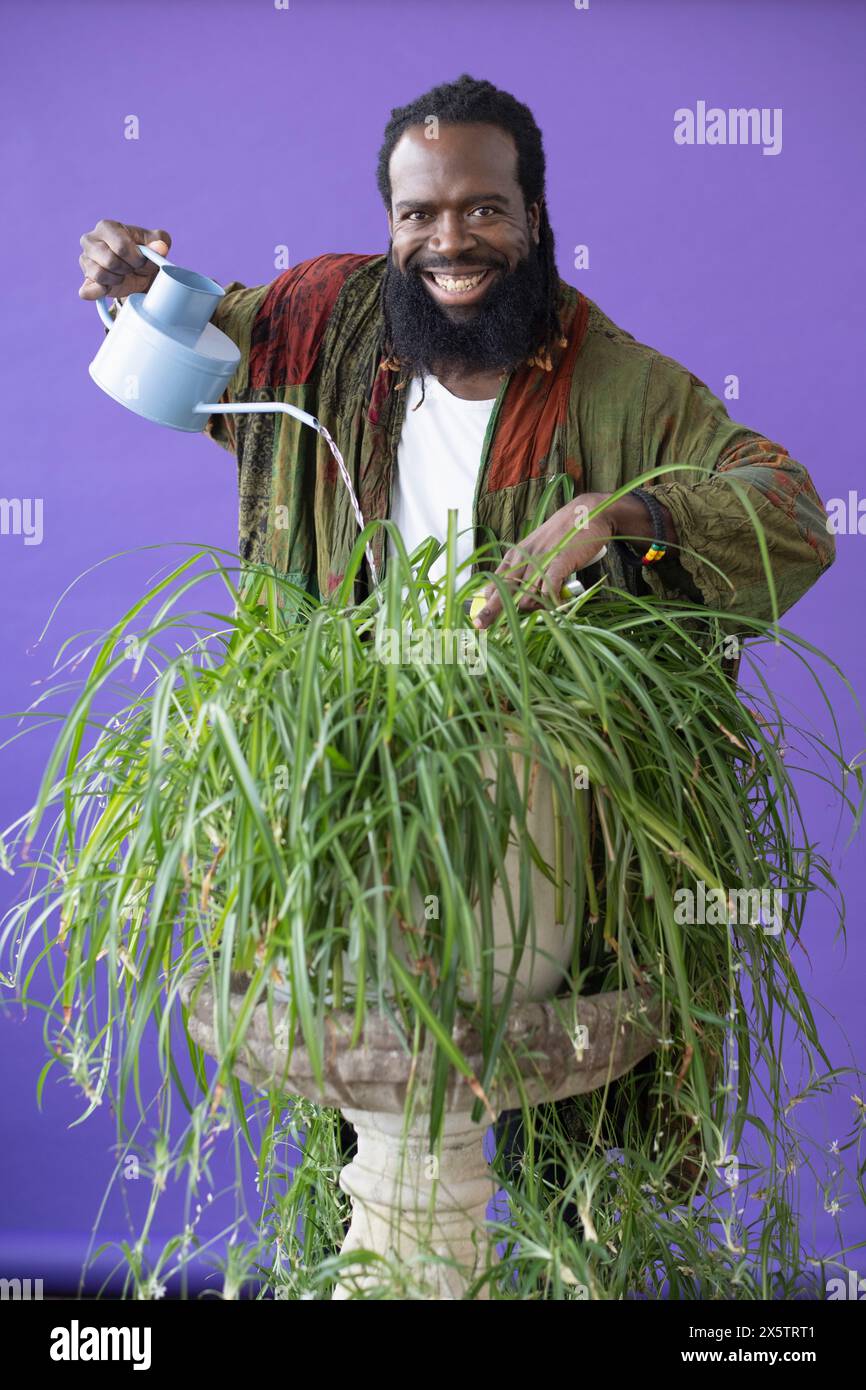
(460, 284)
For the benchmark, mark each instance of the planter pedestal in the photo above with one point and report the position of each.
(406, 1201)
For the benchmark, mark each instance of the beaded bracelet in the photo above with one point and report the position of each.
(658, 548)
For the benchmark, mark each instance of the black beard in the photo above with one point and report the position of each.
(502, 332)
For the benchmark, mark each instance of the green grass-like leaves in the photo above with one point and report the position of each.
(275, 799)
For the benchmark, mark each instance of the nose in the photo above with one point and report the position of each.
(451, 236)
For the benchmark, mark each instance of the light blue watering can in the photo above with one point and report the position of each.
(165, 360)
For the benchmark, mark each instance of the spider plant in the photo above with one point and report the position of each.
(277, 795)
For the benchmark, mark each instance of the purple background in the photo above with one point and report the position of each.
(260, 127)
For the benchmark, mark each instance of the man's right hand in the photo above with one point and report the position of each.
(112, 262)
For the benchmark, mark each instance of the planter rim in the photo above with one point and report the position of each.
(552, 1057)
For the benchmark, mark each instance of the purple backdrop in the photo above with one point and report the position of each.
(258, 128)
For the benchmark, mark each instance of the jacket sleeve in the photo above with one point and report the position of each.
(684, 423)
(234, 316)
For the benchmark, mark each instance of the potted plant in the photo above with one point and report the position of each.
(318, 818)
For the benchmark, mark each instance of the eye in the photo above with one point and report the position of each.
(416, 212)
(485, 209)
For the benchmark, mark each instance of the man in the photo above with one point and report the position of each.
(459, 370)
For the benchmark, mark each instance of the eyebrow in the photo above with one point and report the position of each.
(473, 198)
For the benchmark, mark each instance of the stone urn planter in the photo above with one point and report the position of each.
(404, 1199)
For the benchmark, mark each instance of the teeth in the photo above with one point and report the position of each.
(467, 282)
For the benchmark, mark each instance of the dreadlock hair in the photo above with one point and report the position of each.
(470, 100)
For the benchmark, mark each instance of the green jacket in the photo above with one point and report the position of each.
(608, 410)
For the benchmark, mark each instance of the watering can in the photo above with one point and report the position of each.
(165, 360)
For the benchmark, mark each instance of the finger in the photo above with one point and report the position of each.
(99, 275)
(105, 258)
(515, 584)
(123, 241)
(492, 607)
(522, 576)
(512, 565)
(107, 244)
(485, 617)
(551, 585)
(91, 290)
(531, 597)
(514, 570)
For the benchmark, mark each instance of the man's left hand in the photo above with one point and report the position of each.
(524, 565)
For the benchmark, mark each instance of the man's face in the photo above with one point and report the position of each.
(464, 283)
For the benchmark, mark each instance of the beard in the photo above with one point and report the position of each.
(500, 333)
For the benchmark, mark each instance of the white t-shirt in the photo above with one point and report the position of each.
(438, 459)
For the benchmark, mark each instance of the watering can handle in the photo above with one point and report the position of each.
(102, 307)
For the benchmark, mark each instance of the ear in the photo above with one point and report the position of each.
(533, 217)
(390, 225)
